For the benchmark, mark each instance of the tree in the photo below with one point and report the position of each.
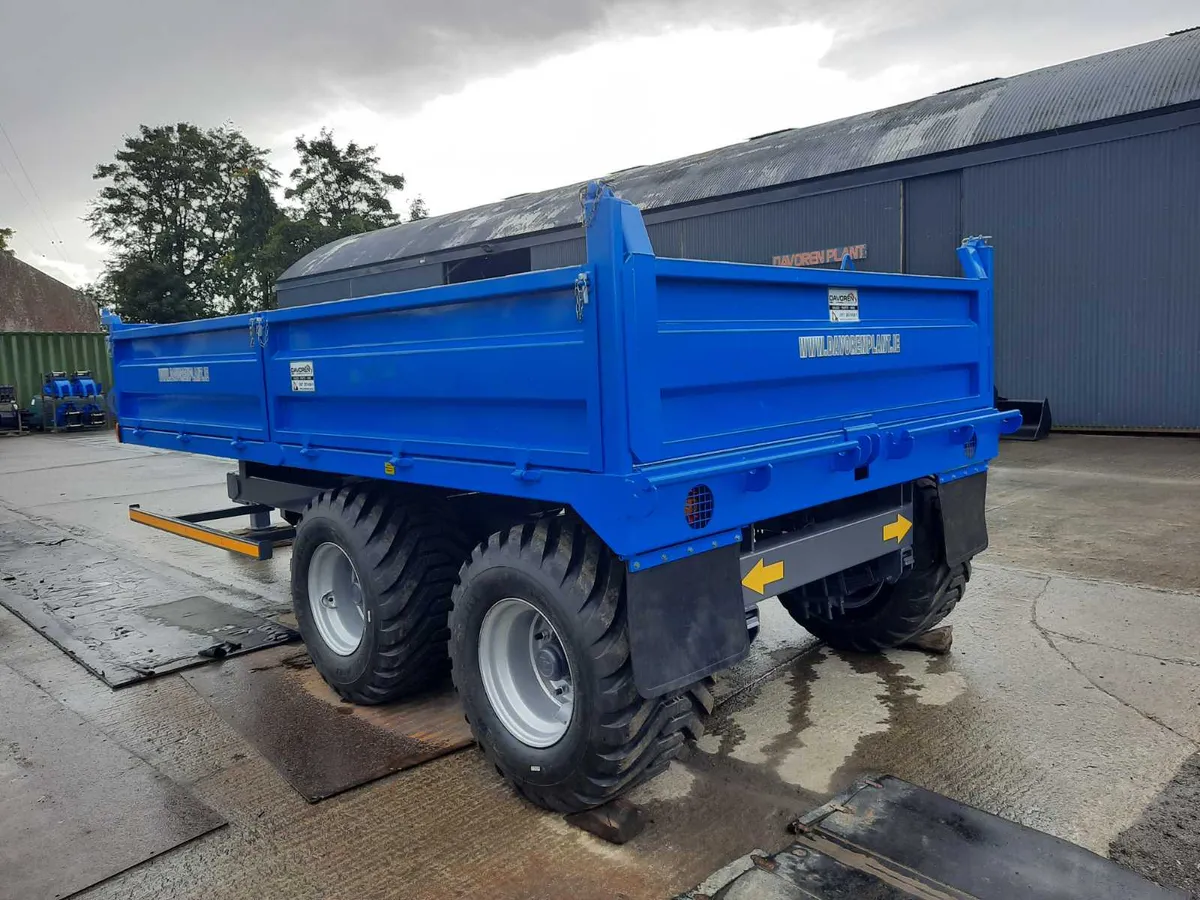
(146, 290)
(342, 188)
(172, 210)
(336, 192)
(291, 239)
(196, 230)
(251, 285)
(5, 235)
(417, 209)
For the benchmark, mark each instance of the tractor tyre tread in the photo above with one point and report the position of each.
(629, 739)
(408, 555)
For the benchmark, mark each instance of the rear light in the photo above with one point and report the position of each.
(698, 507)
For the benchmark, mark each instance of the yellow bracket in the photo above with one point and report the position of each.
(259, 547)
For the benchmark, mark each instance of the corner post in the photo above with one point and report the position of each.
(621, 264)
(976, 256)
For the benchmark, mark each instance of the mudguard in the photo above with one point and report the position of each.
(964, 523)
(686, 620)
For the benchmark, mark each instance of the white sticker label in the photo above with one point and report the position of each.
(819, 346)
(303, 379)
(169, 374)
(843, 304)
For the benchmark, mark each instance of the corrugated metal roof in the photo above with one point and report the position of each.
(30, 300)
(1124, 82)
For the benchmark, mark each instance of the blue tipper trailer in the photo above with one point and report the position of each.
(573, 486)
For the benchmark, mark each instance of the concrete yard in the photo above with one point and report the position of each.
(1070, 701)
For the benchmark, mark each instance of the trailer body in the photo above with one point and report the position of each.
(672, 404)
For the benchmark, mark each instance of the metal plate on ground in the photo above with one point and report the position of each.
(76, 808)
(228, 630)
(320, 744)
(891, 840)
(122, 621)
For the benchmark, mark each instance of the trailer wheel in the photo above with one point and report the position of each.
(540, 649)
(371, 583)
(887, 615)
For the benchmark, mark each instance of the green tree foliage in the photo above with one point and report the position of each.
(342, 187)
(147, 290)
(5, 235)
(171, 208)
(417, 209)
(196, 229)
(250, 283)
(335, 192)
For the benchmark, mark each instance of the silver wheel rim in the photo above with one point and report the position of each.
(526, 673)
(335, 599)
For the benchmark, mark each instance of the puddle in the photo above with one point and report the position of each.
(844, 706)
(806, 726)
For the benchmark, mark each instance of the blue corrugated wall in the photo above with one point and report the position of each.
(1098, 278)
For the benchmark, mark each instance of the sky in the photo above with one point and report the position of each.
(477, 100)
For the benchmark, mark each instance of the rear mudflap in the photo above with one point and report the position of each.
(964, 523)
(686, 620)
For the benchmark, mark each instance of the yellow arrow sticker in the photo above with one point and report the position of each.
(761, 575)
(897, 530)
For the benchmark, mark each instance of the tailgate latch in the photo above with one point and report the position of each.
(581, 295)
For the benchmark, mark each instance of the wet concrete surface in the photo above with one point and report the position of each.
(1006, 722)
(1068, 703)
(75, 807)
(319, 743)
(1112, 508)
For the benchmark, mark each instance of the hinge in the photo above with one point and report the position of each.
(581, 295)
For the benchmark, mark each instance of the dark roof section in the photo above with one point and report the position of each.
(30, 300)
(1152, 76)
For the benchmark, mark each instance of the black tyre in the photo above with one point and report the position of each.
(887, 615)
(371, 583)
(538, 623)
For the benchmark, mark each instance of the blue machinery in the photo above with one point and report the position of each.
(615, 387)
(670, 403)
(69, 402)
(728, 432)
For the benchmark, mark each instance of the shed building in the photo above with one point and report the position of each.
(45, 326)
(1085, 174)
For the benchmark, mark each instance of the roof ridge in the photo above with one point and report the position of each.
(1138, 79)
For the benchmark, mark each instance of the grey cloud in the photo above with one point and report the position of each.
(1001, 38)
(75, 76)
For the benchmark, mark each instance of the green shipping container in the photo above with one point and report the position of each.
(26, 356)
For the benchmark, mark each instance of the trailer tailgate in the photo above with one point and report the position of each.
(724, 356)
